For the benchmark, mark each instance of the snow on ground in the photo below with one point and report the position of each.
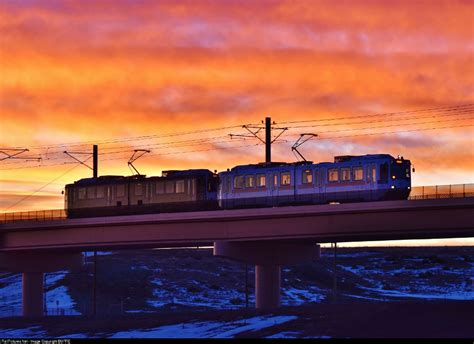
(10, 295)
(57, 297)
(294, 296)
(209, 298)
(286, 334)
(221, 298)
(445, 295)
(32, 332)
(209, 329)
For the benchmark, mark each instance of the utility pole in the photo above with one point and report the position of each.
(255, 129)
(335, 272)
(95, 162)
(94, 297)
(268, 140)
(246, 286)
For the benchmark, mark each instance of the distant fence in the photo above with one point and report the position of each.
(37, 215)
(442, 191)
(417, 193)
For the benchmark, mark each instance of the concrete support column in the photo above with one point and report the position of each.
(33, 265)
(33, 294)
(268, 257)
(267, 286)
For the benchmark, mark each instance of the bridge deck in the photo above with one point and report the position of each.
(391, 220)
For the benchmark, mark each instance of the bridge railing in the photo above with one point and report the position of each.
(36, 215)
(442, 191)
(417, 193)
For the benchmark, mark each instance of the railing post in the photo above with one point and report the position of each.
(464, 190)
(436, 194)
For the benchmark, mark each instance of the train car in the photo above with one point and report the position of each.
(371, 177)
(174, 191)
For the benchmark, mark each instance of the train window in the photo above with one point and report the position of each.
(160, 187)
(345, 174)
(333, 175)
(120, 190)
(180, 186)
(169, 187)
(100, 192)
(138, 189)
(260, 180)
(81, 193)
(285, 178)
(90, 193)
(229, 184)
(239, 182)
(307, 177)
(358, 173)
(249, 182)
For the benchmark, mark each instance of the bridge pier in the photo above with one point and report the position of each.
(33, 265)
(32, 288)
(268, 257)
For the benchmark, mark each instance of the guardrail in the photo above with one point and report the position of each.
(37, 215)
(417, 193)
(442, 191)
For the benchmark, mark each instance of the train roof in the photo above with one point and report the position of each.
(263, 165)
(169, 174)
(337, 159)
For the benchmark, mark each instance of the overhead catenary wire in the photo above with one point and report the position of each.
(41, 188)
(456, 111)
(159, 136)
(257, 144)
(135, 138)
(407, 121)
(439, 109)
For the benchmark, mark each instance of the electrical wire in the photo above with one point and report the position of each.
(444, 109)
(41, 188)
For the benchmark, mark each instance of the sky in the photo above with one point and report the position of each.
(158, 75)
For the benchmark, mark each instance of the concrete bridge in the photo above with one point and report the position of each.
(265, 237)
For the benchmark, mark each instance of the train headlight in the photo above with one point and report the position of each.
(409, 188)
(393, 186)
(393, 177)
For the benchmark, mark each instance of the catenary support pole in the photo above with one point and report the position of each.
(94, 300)
(268, 140)
(95, 159)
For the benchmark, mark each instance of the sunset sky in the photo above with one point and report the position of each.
(130, 74)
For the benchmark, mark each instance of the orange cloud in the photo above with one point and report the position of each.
(74, 71)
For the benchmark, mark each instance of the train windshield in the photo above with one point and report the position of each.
(400, 169)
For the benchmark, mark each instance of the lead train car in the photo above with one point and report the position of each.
(372, 177)
(175, 191)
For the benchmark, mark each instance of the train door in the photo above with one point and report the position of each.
(109, 195)
(272, 191)
(317, 186)
(371, 179)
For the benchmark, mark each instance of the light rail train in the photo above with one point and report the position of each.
(374, 177)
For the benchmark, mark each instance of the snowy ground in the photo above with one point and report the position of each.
(209, 329)
(193, 279)
(58, 300)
